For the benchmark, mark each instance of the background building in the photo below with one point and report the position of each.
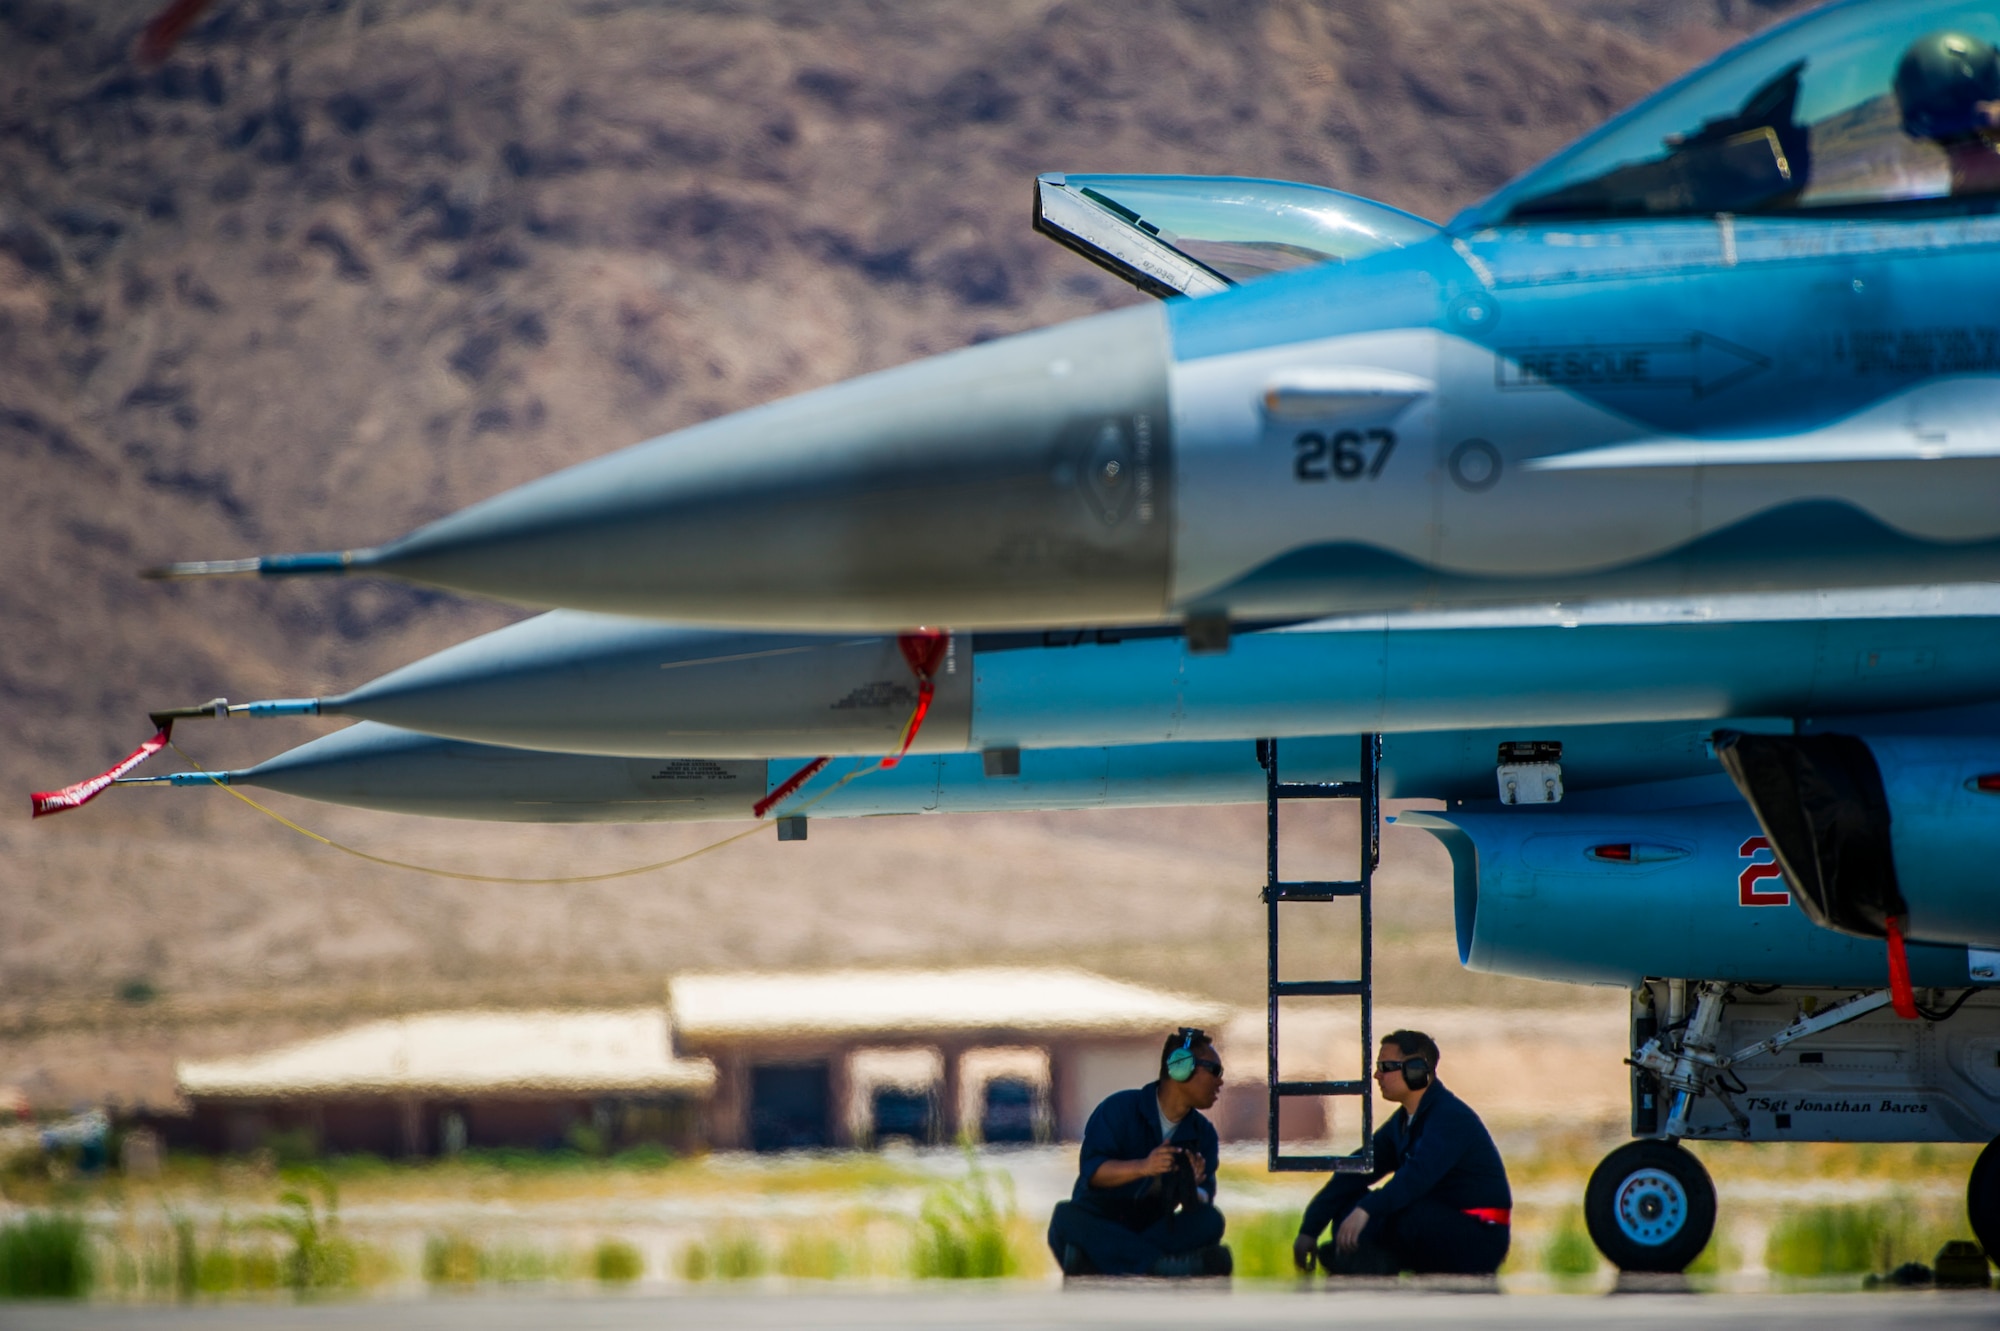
(842, 1058)
(437, 1083)
(749, 1060)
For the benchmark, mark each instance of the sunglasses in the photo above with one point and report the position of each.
(1389, 1065)
(1210, 1064)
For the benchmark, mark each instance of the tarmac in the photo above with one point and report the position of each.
(986, 1308)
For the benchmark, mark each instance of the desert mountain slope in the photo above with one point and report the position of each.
(338, 269)
(343, 266)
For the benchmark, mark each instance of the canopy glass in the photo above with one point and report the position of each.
(1870, 105)
(1190, 235)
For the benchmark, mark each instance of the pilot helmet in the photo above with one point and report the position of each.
(1940, 82)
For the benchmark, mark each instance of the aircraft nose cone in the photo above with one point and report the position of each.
(1021, 482)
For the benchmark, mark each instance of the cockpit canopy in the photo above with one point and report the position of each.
(1862, 107)
(1195, 235)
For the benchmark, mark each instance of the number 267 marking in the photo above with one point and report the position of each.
(1348, 455)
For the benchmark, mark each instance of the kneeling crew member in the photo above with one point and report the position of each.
(1446, 1211)
(1144, 1202)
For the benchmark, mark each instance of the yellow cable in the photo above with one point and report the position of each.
(331, 844)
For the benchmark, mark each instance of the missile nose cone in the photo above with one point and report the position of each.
(1024, 481)
(586, 683)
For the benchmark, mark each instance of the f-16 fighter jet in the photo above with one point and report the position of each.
(1741, 337)
(1740, 340)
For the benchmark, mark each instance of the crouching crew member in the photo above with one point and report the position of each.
(1446, 1211)
(1144, 1202)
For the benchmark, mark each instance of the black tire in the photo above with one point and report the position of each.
(1982, 1198)
(1650, 1206)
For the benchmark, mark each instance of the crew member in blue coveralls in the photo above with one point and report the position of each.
(1446, 1211)
(1144, 1202)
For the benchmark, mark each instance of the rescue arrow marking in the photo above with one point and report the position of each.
(1700, 364)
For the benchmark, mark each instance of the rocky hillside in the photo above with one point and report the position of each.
(335, 269)
(338, 267)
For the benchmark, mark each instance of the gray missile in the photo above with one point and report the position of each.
(370, 766)
(576, 682)
(1655, 781)
(373, 766)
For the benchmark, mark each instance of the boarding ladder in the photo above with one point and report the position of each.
(1367, 790)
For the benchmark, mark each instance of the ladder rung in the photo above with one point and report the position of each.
(1366, 792)
(1323, 1164)
(1319, 988)
(1315, 891)
(1319, 790)
(1321, 1088)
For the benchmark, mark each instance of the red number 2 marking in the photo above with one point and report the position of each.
(1746, 882)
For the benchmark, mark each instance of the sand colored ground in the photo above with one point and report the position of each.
(253, 936)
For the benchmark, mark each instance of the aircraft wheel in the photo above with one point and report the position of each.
(1982, 1198)
(1650, 1206)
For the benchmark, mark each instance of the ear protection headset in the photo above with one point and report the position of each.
(1180, 1062)
(1416, 1072)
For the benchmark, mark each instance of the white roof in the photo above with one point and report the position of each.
(545, 1053)
(992, 998)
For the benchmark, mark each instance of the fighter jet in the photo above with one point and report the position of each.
(1735, 341)
(1738, 338)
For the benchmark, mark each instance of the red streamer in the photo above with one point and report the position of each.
(925, 692)
(83, 792)
(1901, 996)
(791, 783)
(925, 651)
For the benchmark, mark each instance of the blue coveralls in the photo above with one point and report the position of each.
(1125, 1231)
(1445, 1164)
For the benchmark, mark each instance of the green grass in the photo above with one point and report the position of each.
(298, 1248)
(1826, 1240)
(1569, 1254)
(730, 1255)
(45, 1257)
(648, 1156)
(452, 1259)
(1261, 1243)
(320, 1257)
(358, 1167)
(964, 1229)
(1842, 1240)
(818, 1255)
(615, 1262)
(229, 1270)
(1721, 1257)
(520, 1160)
(455, 1259)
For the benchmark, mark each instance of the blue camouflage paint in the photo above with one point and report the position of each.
(1531, 900)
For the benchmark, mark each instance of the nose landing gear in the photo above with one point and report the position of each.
(1650, 1206)
(1702, 1076)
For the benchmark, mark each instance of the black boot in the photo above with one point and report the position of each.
(1075, 1262)
(1366, 1260)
